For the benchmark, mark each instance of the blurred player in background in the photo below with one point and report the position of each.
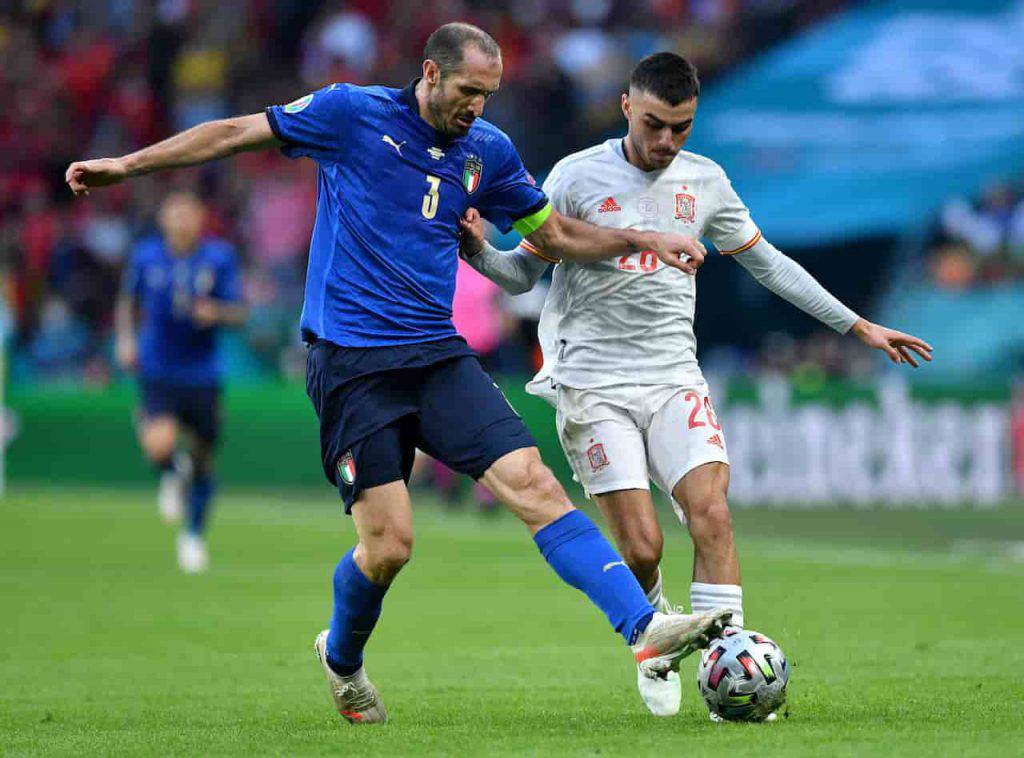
(179, 289)
(387, 373)
(620, 359)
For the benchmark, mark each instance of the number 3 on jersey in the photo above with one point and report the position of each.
(431, 199)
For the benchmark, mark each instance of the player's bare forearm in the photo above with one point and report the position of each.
(200, 144)
(575, 240)
(571, 239)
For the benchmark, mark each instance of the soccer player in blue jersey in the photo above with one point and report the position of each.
(183, 287)
(386, 371)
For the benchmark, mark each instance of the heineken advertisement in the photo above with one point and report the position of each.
(819, 446)
(879, 446)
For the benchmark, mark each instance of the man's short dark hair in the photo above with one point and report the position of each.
(667, 76)
(448, 43)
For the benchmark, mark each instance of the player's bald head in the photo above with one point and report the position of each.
(448, 44)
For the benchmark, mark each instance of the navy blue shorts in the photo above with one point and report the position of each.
(377, 405)
(197, 408)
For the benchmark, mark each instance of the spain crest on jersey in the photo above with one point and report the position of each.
(686, 207)
(471, 173)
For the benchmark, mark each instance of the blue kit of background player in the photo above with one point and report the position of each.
(182, 287)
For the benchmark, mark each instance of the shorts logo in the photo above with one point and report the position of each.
(347, 468)
(716, 439)
(299, 105)
(686, 207)
(598, 460)
(471, 173)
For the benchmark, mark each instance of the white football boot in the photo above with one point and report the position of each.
(192, 555)
(355, 697)
(662, 694)
(670, 637)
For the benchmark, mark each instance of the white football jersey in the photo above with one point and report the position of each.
(629, 320)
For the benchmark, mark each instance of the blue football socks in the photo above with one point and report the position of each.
(584, 559)
(199, 495)
(357, 604)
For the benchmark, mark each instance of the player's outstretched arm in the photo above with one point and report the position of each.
(515, 271)
(792, 282)
(202, 143)
(569, 238)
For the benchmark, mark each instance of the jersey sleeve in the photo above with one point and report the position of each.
(558, 188)
(730, 227)
(314, 126)
(228, 283)
(510, 196)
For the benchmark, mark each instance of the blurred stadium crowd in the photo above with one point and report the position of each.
(103, 77)
(980, 241)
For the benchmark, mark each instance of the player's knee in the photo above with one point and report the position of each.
(386, 555)
(709, 518)
(642, 553)
(158, 443)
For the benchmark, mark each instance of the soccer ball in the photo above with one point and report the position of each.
(743, 676)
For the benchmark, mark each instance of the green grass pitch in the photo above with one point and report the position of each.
(905, 631)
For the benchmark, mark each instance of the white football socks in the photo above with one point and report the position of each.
(656, 598)
(705, 597)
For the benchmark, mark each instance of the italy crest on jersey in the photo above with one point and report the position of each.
(471, 173)
(347, 468)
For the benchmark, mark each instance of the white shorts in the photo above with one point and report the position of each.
(623, 437)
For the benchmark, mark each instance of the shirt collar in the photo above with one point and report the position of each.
(409, 95)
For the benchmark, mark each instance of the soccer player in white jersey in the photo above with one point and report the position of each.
(617, 335)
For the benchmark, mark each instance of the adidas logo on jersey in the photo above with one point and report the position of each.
(716, 439)
(609, 206)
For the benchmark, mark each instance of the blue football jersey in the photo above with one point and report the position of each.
(384, 252)
(172, 348)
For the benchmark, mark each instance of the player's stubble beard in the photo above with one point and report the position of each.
(443, 121)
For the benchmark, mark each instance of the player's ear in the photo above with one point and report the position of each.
(431, 72)
(626, 110)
